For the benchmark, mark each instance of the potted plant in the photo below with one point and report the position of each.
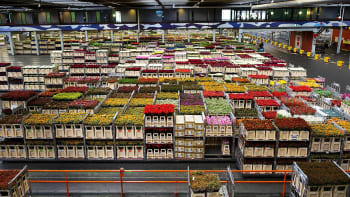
(214, 186)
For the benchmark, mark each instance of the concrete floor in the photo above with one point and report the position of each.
(314, 68)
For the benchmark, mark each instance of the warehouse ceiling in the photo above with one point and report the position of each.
(35, 4)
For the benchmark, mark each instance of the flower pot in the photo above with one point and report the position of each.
(213, 194)
(197, 194)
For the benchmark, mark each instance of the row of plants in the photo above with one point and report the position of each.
(218, 106)
(99, 119)
(132, 116)
(325, 130)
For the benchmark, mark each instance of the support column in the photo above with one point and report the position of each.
(188, 35)
(36, 43)
(87, 36)
(163, 35)
(61, 38)
(112, 36)
(214, 31)
(313, 47)
(11, 43)
(240, 35)
(341, 29)
(340, 38)
(138, 25)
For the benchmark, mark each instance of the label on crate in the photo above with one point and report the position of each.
(294, 136)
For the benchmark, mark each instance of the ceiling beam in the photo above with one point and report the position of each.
(160, 4)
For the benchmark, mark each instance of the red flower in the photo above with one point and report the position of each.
(300, 88)
(258, 76)
(181, 62)
(93, 66)
(291, 124)
(109, 66)
(256, 124)
(126, 89)
(308, 99)
(149, 71)
(18, 95)
(77, 66)
(279, 94)
(133, 69)
(4, 64)
(183, 70)
(195, 61)
(166, 71)
(291, 101)
(219, 63)
(259, 93)
(58, 75)
(240, 97)
(213, 94)
(83, 104)
(244, 56)
(143, 80)
(14, 68)
(73, 79)
(75, 89)
(268, 102)
(336, 102)
(269, 114)
(159, 109)
(263, 68)
(302, 110)
(130, 61)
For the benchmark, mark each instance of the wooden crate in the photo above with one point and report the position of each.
(139, 152)
(121, 152)
(326, 144)
(335, 145)
(316, 144)
(260, 135)
(282, 152)
(340, 190)
(347, 143)
(302, 152)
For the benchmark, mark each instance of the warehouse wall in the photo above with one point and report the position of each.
(306, 40)
(345, 36)
(128, 15)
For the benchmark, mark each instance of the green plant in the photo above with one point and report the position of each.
(213, 183)
(67, 96)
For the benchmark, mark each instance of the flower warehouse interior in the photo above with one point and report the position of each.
(195, 98)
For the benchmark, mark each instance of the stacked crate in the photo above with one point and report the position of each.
(13, 149)
(159, 133)
(100, 150)
(39, 137)
(319, 180)
(54, 80)
(189, 137)
(15, 183)
(256, 145)
(129, 135)
(4, 86)
(326, 142)
(15, 77)
(56, 59)
(79, 56)
(69, 130)
(293, 141)
(11, 130)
